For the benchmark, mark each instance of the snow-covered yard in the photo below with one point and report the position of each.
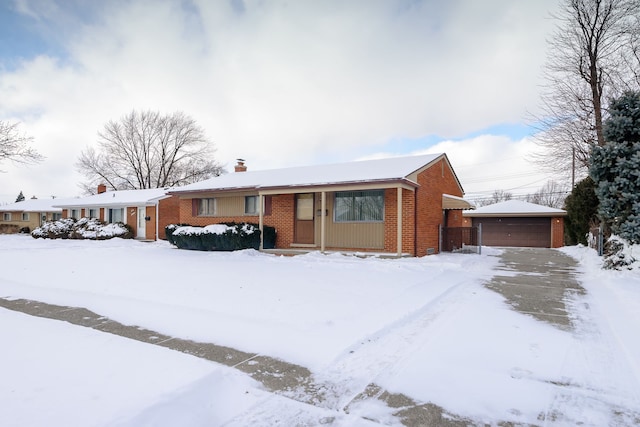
(426, 327)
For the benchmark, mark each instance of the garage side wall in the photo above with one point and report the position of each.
(557, 232)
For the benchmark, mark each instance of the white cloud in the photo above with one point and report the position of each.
(278, 83)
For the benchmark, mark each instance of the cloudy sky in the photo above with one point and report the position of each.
(281, 82)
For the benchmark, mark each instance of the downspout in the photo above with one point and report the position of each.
(415, 222)
(261, 220)
(323, 220)
(399, 222)
(157, 220)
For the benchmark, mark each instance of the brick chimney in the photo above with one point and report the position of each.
(102, 188)
(240, 167)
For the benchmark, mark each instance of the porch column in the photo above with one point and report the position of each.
(261, 220)
(399, 231)
(323, 219)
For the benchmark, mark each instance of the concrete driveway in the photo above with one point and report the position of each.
(538, 282)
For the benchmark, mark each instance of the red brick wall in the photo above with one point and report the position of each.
(282, 208)
(282, 218)
(168, 213)
(150, 226)
(557, 232)
(391, 221)
(434, 181)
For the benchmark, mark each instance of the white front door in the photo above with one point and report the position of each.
(142, 223)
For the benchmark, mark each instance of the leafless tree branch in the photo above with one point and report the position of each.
(14, 145)
(593, 56)
(149, 150)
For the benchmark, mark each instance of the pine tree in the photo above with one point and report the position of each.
(20, 197)
(615, 167)
(582, 211)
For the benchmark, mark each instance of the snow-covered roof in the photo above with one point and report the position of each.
(118, 198)
(395, 168)
(514, 208)
(34, 205)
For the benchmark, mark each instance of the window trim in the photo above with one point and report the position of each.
(379, 193)
(199, 211)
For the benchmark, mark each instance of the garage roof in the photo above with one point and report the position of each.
(515, 208)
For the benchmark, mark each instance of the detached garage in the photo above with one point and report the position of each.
(517, 223)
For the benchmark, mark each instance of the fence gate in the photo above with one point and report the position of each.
(461, 239)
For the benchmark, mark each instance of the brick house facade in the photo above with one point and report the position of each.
(147, 211)
(392, 206)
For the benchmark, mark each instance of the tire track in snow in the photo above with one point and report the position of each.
(334, 388)
(359, 365)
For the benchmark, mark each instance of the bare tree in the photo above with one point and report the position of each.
(148, 150)
(497, 197)
(14, 145)
(591, 58)
(552, 194)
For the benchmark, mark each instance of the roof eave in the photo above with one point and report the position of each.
(403, 181)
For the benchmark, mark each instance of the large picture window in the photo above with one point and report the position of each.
(206, 207)
(359, 206)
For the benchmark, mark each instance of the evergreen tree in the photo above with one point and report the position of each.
(582, 211)
(20, 197)
(615, 167)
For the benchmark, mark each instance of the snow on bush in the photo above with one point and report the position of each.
(215, 237)
(84, 228)
(619, 254)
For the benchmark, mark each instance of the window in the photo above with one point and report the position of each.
(56, 216)
(251, 205)
(75, 214)
(6, 216)
(93, 213)
(206, 207)
(359, 206)
(115, 215)
(25, 216)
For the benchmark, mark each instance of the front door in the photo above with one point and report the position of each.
(304, 226)
(142, 223)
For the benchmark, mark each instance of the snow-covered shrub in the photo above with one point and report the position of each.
(59, 229)
(216, 237)
(84, 228)
(618, 254)
(169, 229)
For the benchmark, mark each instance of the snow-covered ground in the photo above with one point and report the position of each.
(425, 327)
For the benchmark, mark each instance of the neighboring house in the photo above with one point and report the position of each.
(146, 211)
(392, 206)
(30, 214)
(518, 223)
